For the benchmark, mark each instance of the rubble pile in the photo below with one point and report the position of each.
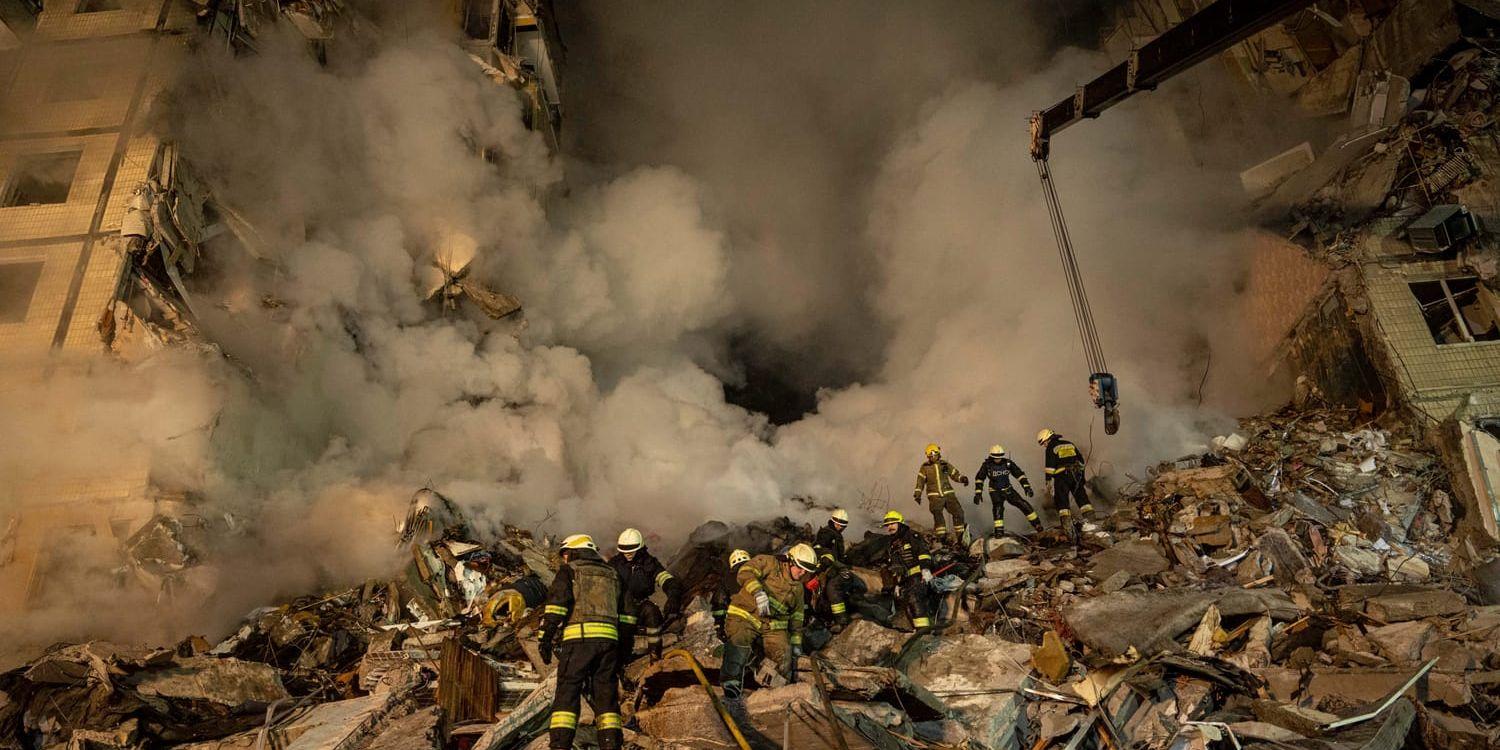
(1293, 587)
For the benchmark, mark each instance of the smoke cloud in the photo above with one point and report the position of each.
(848, 189)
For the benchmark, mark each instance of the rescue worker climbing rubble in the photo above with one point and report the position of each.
(935, 480)
(833, 569)
(579, 622)
(911, 566)
(769, 608)
(997, 469)
(719, 605)
(641, 574)
(1064, 468)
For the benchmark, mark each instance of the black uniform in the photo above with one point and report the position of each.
(908, 559)
(580, 614)
(1065, 468)
(998, 472)
(639, 579)
(833, 570)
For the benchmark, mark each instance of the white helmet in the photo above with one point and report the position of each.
(738, 557)
(579, 541)
(803, 556)
(630, 540)
(840, 516)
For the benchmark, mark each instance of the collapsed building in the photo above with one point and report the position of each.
(1323, 578)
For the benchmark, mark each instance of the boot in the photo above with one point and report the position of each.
(732, 671)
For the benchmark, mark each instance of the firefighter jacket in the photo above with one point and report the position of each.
(908, 554)
(998, 471)
(639, 579)
(584, 601)
(829, 544)
(1062, 455)
(768, 574)
(936, 478)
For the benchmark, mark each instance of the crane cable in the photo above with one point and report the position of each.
(1083, 314)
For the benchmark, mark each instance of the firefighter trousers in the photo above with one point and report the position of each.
(586, 663)
(913, 598)
(834, 585)
(740, 644)
(1009, 496)
(648, 622)
(1069, 485)
(939, 503)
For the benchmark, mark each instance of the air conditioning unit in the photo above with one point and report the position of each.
(1442, 228)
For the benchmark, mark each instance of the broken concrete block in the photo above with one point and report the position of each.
(1408, 568)
(1265, 176)
(865, 644)
(1116, 581)
(1284, 556)
(1281, 682)
(1414, 605)
(1260, 730)
(421, 730)
(1051, 659)
(1402, 642)
(1350, 686)
(235, 684)
(1202, 642)
(1299, 719)
(1364, 562)
(1136, 558)
(997, 549)
(1007, 570)
(1150, 621)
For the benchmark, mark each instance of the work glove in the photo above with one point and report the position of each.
(719, 629)
(963, 481)
(916, 497)
(926, 576)
(1029, 493)
(762, 603)
(544, 647)
(976, 498)
(796, 650)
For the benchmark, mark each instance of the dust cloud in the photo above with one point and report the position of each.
(850, 189)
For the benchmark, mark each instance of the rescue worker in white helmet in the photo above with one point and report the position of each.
(935, 478)
(580, 622)
(768, 607)
(1064, 468)
(719, 603)
(833, 569)
(998, 469)
(641, 574)
(911, 566)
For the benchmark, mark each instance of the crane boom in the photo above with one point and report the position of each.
(1206, 33)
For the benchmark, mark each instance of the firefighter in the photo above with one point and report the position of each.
(768, 607)
(998, 469)
(935, 481)
(833, 569)
(580, 620)
(641, 574)
(912, 568)
(727, 586)
(1064, 467)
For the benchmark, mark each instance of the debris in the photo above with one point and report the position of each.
(1050, 659)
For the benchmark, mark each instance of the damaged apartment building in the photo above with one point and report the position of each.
(101, 221)
(1375, 281)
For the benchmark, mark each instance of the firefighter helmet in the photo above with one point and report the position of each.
(840, 516)
(893, 517)
(630, 540)
(580, 541)
(1043, 436)
(997, 450)
(803, 556)
(933, 449)
(738, 557)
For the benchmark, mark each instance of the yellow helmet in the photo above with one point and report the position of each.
(997, 450)
(1043, 436)
(893, 517)
(932, 448)
(738, 557)
(580, 541)
(804, 557)
(630, 540)
(840, 516)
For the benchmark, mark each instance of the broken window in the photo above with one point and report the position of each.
(17, 284)
(39, 179)
(97, 6)
(1457, 310)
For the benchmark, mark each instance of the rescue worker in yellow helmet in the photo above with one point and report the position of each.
(719, 603)
(580, 622)
(911, 566)
(997, 470)
(1064, 468)
(641, 574)
(935, 478)
(833, 569)
(768, 607)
